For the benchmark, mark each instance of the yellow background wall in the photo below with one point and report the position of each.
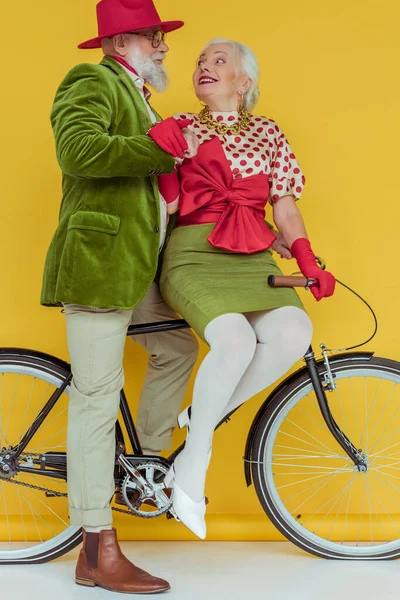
(329, 78)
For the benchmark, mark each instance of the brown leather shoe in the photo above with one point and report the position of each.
(102, 563)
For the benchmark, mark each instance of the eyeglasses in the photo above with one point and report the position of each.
(156, 38)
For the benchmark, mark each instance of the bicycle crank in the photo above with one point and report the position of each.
(144, 493)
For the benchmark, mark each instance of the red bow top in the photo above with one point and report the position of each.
(210, 194)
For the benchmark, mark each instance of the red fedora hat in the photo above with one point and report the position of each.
(119, 16)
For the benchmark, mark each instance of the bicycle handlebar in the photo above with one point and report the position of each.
(289, 281)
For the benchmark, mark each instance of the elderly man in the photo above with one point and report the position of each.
(102, 262)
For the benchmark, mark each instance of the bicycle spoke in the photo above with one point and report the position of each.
(11, 410)
(297, 450)
(385, 450)
(340, 495)
(55, 435)
(15, 441)
(378, 455)
(347, 509)
(2, 402)
(21, 513)
(335, 520)
(34, 513)
(329, 480)
(299, 439)
(383, 484)
(7, 517)
(47, 424)
(315, 420)
(388, 440)
(39, 483)
(387, 474)
(44, 449)
(313, 478)
(381, 413)
(277, 464)
(308, 433)
(358, 421)
(367, 435)
(315, 485)
(48, 507)
(388, 466)
(387, 513)
(371, 511)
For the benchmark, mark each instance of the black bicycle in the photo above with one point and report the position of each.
(326, 472)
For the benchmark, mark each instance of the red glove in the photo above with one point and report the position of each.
(169, 186)
(325, 286)
(168, 135)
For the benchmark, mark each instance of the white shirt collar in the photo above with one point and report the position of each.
(140, 84)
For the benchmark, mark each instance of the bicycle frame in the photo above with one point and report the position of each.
(54, 464)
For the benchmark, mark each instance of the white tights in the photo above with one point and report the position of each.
(247, 354)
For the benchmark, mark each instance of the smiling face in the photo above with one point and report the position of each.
(216, 79)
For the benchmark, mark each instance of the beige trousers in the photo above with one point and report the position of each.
(96, 340)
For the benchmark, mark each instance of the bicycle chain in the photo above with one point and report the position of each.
(36, 487)
(63, 495)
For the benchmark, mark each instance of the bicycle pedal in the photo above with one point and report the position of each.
(172, 515)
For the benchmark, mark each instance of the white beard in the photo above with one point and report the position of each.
(152, 73)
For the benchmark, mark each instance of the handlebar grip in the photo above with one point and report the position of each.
(289, 281)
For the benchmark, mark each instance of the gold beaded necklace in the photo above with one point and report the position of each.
(223, 128)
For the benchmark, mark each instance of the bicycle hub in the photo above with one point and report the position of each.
(8, 465)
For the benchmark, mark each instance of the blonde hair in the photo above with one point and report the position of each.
(246, 64)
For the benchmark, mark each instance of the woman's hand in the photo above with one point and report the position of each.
(324, 281)
(290, 223)
(173, 207)
(192, 142)
(281, 246)
(169, 136)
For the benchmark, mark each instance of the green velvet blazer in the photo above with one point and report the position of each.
(105, 250)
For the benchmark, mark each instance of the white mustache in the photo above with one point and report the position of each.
(159, 56)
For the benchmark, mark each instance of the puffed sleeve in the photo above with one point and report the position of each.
(285, 175)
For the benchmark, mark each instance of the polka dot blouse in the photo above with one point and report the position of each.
(263, 148)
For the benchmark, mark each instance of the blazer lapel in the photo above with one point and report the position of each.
(137, 98)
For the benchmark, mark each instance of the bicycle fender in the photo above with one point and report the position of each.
(48, 358)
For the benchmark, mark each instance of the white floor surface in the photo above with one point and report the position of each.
(218, 571)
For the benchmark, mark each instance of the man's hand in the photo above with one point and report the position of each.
(192, 142)
(280, 246)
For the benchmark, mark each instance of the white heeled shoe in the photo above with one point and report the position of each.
(184, 418)
(184, 421)
(189, 512)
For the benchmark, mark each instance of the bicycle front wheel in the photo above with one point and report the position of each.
(306, 483)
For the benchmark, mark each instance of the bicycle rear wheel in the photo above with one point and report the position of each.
(34, 525)
(306, 483)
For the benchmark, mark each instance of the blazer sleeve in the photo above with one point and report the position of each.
(82, 123)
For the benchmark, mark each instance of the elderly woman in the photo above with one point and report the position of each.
(218, 258)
